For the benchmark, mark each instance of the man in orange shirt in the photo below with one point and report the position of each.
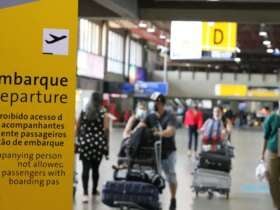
(193, 121)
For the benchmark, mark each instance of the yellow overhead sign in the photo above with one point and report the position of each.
(220, 36)
(240, 90)
(37, 103)
(264, 93)
(231, 90)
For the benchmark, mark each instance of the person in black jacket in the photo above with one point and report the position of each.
(167, 121)
(93, 137)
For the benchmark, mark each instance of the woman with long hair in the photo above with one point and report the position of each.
(93, 141)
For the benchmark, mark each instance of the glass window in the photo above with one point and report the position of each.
(136, 56)
(89, 36)
(115, 53)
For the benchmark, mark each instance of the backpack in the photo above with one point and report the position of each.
(211, 136)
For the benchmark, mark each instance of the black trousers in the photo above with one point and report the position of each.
(193, 135)
(87, 165)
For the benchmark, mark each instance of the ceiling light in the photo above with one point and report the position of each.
(267, 42)
(142, 24)
(268, 46)
(151, 29)
(277, 51)
(238, 50)
(217, 67)
(269, 50)
(263, 33)
(209, 65)
(237, 60)
(188, 65)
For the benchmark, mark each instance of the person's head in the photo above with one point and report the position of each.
(94, 105)
(217, 113)
(275, 106)
(159, 100)
(141, 110)
(95, 99)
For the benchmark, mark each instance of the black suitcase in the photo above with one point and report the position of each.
(214, 161)
(131, 194)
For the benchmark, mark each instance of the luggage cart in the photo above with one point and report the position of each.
(210, 181)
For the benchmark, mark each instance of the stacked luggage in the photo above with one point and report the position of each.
(212, 173)
(139, 184)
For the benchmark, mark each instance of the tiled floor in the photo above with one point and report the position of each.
(246, 193)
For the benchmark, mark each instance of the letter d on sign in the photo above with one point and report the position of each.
(218, 36)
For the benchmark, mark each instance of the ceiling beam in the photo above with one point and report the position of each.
(124, 8)
(89, 8)
(244, 16)
(211, 11)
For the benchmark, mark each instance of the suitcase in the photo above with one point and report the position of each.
(131, 194)
(211, 179)
(139, 176)
(205, 180)
(214, 161)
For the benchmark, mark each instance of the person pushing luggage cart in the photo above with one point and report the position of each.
(134, 194)
(214, 164)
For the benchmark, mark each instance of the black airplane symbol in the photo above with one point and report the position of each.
(55, 39)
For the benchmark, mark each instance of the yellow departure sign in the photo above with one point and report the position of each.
(37, 103)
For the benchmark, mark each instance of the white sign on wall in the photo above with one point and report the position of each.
(188, 46)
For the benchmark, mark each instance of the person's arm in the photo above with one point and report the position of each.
(267, 133)
(199, 119)
(170, 130)
(106, 126)
(224, 131)
(202, 129)
(77, 125)
(228, 125)
(186, 121)
(128, 127)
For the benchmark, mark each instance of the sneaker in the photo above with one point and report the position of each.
(85, 199)
(95, 193)
(172, 204)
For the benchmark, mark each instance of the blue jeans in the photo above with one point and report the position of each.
(168, 167)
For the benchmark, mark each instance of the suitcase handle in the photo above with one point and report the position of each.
(127, 204)
(116, 175)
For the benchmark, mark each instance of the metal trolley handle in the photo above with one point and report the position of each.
(158, 151)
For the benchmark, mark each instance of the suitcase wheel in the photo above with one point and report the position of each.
(227, 194)
(210, 195)
(196, 193)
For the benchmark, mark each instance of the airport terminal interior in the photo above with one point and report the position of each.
(196, 53)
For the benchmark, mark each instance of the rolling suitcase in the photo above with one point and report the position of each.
(131, 194)
(210, 160)
(205, 180)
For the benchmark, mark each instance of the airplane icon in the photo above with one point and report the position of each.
(55, 39)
